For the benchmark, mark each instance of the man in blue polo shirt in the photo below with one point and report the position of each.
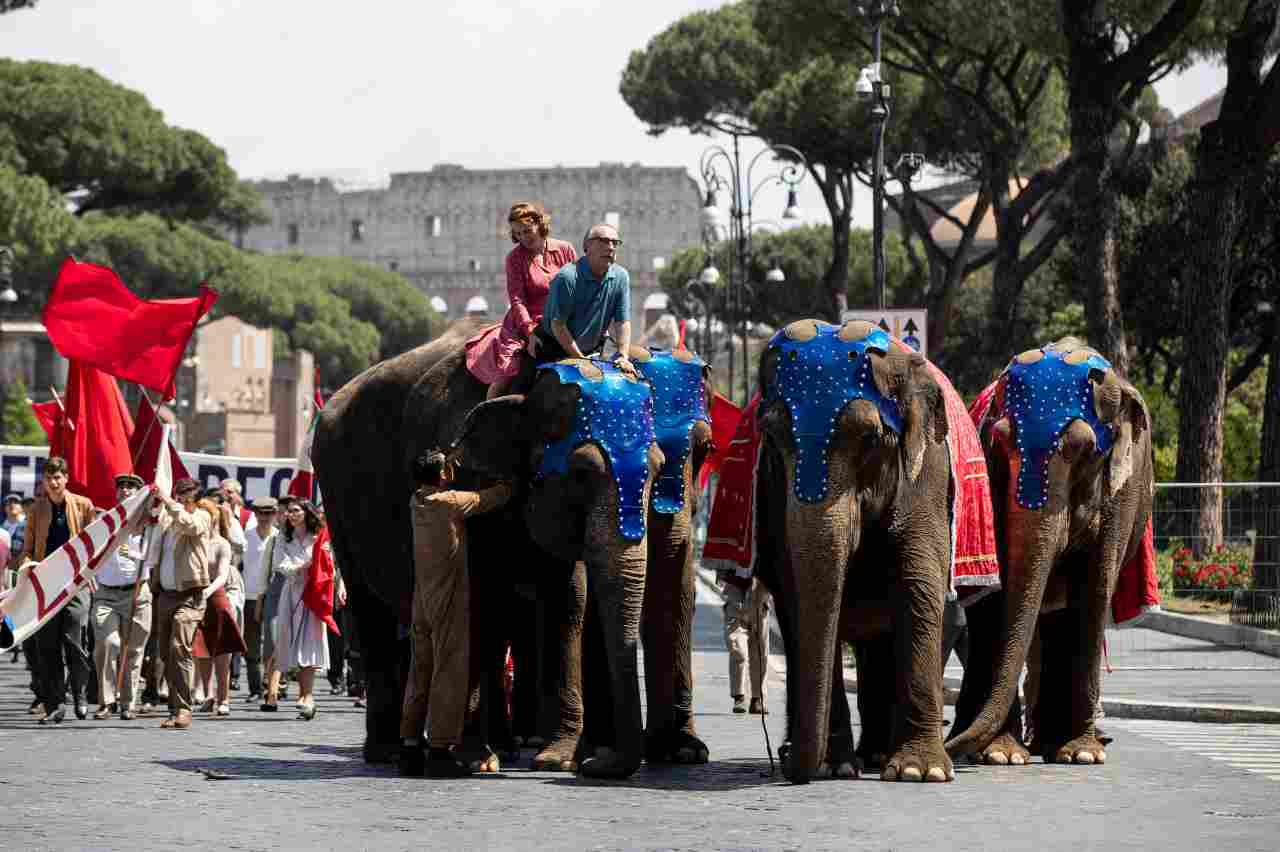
(586, 298)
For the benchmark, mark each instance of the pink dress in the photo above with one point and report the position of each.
(494, 353)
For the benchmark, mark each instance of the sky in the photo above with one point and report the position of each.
(359, 91)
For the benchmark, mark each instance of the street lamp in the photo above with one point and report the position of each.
(742, 193)
(871, 86)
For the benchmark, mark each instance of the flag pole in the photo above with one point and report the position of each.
(62, 408)
(155, 415)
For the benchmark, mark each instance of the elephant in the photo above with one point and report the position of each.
(366, 435)
(1068, 447)
(853, 540)
(570, 515)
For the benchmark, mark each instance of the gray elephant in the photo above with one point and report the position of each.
(365, 438)
(1068, 447)
(570, 514)
(854, 542)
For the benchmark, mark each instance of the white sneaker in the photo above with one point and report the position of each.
(223, 710)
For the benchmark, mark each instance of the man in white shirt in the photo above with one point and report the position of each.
(259, 541)
(121, 615)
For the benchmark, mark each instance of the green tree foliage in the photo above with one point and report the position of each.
(18, 424)
(105, 147)
(33, 220)
(715, 71)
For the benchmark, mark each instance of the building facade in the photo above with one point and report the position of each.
(445, 229)
(235, 397)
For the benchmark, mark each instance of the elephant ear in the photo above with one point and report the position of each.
(905, 378)
(1119, 405)
(490, 440)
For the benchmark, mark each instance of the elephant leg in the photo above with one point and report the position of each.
(616, 597)
(840, 751)
(570, 604)
(917, 751)
(984, 619)
(377, 625)
(1058, 634)
(667, 632)
(876, 683)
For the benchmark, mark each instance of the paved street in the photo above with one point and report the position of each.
(295, 785)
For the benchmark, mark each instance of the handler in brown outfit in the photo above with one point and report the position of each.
(441, 617)
(178, 561)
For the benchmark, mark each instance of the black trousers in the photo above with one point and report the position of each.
(62, 653)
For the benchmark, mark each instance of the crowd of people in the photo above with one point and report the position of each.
(204, 588)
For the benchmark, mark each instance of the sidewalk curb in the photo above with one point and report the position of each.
(1167, 711)
(1236, 635)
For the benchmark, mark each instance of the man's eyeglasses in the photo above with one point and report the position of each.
(614, 243)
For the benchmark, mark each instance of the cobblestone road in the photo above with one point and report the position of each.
(298, 785)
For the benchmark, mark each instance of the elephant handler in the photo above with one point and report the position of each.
(585, 298)
(441, 617)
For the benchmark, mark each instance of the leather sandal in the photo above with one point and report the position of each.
(103, 713)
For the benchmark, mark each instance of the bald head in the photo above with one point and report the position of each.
(601, 248)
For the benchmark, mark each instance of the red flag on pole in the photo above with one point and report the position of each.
(303, 484)
(93, 434)
(144, 444)
(92, 317)
(49, 415)
(318, 593)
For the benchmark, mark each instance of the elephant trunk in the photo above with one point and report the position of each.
(1035, 538)
(616, 578)
(820, 537)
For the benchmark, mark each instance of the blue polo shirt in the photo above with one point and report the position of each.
(586, 305)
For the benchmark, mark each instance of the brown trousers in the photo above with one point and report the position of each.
(437, 681)
(178, 614)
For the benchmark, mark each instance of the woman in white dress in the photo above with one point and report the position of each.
(301, 642)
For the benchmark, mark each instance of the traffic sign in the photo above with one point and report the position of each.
(910, 325)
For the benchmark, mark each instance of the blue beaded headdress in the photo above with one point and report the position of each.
(616, 414)
(816, 379)
(679, 401)
(1042, 399)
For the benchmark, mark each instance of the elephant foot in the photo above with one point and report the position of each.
(680, 747)
(559, 756)
(608, 764)
(842, 760)
(1005, 750)
(920, 759)
(1086, 750)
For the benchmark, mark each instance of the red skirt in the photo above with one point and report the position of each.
(218, 632)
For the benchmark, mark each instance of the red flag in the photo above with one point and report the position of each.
(92, 317)
(724, 421)
(49, 414)
(318, 593)
(144, 445)
(93, 436)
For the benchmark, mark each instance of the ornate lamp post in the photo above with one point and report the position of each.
(742, 194)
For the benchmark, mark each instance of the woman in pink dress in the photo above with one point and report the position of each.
(493, 355)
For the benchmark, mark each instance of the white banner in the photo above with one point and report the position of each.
(22, 467)
(43, 590)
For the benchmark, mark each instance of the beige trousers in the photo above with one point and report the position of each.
(110, 616)
(437, 683)
(178, 614)
(746, 635)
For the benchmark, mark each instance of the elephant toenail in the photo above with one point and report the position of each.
(997, 758)
(911, 774)
(890, 774)
(1102, 757)
(1084, 757)
(1017, 760)
(936, 774)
